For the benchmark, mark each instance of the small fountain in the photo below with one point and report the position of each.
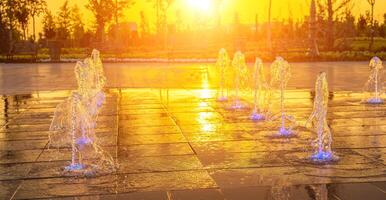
(75, 119)
(222, 64)
(239, 73)
(280, 75)
(259, 83)
(91, 80)
(373, 87)
(323, 152)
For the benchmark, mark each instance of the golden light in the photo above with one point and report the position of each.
(201, 5)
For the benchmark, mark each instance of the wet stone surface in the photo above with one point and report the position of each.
(183, 144)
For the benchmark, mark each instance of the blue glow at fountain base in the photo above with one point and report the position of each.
(323, 157)
(283, 132)
(83, 141)
(375, 100)
(257, 116)
(74, 167)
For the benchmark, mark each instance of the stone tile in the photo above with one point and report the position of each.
(246, 193)
(155, 150)
(151, 139)
(64, 154)
(149, 130)
(165, 121)
(268, 176)
(357, 191)
(198, 194)
(158, 164)
(8, 188)
(360, 141)
(111, 184)
(380, 185)
(27, 135)
(227, 147)
(304, 192)
(21, 156)
(153, 195)
(241, 160)
(14, 171)
(359, 130)
(15, 145)
(62, 187)
(212, 136)
(188, 145)
(377, 154)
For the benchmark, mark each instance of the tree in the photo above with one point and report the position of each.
(269, 34)
(120, 5)
(64, 22)
(21, 12)
(334, 8)
(162, 7)
(382, 29)
(3, 25)
(144, 25)
(77, 25)
(36, 7)
(314, 45)
(103, 11)
(49, 27)
(362, 25)
(372, 3)
(8, 7)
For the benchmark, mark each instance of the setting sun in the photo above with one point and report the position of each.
(201, 5)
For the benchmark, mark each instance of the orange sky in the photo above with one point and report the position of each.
(191, 10)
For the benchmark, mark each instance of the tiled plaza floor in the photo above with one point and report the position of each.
(182, 144)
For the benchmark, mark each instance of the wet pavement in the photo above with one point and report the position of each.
(348, 76)
(175, 142)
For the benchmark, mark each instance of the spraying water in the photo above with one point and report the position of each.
(240, 73)
(374, 87)
(75, 119)
(280, 75)
(322, 144)
(259, 98)
(222, 64)
(91, 80)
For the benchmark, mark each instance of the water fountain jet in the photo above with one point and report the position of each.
(75, 119)
(240, 73)
(259, 83)
(280, 75)
(373, 86)
(222, 64)
(318, 119)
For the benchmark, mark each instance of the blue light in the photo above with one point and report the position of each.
(285, 132)
(74, 167)
(257, 116)
(83, 141)
(323, 156)
(375, 101)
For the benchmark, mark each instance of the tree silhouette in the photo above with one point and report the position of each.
(49, 27)
(104, 11)
(372, 3)
(64, 21)
(36, 7)
(334, 7)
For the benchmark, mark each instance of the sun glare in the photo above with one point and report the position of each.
(201, 5)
